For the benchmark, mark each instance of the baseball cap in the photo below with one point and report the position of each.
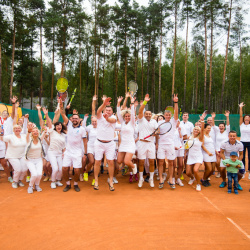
(233, 153)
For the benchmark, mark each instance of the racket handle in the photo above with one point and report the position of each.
(147, 137)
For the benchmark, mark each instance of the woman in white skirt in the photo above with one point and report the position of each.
(15, 154)
(195, 156)
(33, 155)
(56, 149)
(127, 146)
(209, 155)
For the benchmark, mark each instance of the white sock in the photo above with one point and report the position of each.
(141, 175)
(151, 175)
(68, 182)
(75, 183)
(131, 173)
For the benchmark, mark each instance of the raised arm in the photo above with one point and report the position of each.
(106, 102)
(202, 118)
(46, 113)
(40, 115)
(13, 100)
(30, 127)
(132, 119)
(94, 104)
(119, 109)
(227, 116)
(25, 123)
(84, 122)
(124, 105)
(213, 117)
(175, 99)
(57, 112)
(62, 111)
(15, 113)
(146, 99)
(241, 105)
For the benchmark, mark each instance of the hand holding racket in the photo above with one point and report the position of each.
(162, 129)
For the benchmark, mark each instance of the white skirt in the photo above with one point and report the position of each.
(128, 147)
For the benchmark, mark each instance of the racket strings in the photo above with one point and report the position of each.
(165, 128)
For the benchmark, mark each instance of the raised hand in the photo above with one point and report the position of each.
(104, 97)
(213, 115)
(45, 111)
(175, 98)
(17, 104)
(75, 112)
(68, 106)
(120, 98)
(241, 105)
(146, 98)
(105, 116)
(86, 115)
(30, 126)
(227, 112)
(94, 98)
(38, 106)
(14, 99)
(132, 99)
(128, 94)
(26, 116)
(106, 102)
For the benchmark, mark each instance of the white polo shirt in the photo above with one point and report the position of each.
(146, 128)
(105, 129)
(168, 138)
(228, 148)
(189, 126)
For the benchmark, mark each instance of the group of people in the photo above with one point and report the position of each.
(125, 141)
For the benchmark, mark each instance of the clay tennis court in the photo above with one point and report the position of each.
(129, 218)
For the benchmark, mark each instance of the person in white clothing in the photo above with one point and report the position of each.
(15, 154)
(146, 147)
(33, 155)
(245, 135)
(76, 135)
(104, 143)
(189, 126)
(195, 157)
(127, 146)
(165, 145)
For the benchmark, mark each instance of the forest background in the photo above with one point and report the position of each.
(102, 49)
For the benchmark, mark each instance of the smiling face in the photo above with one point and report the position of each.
(232, 137)
(127, 117)
(94, 122)
(196, 131)
(108, 111)
(59, 128)
(148, 115)
(209, 120)
(233, 158)
(17, 130)
(75, 120)
(207, 129)
(185, 117)
(222, 127)
(4, 114)
(35, 132)
(167, 116)
(246, 119)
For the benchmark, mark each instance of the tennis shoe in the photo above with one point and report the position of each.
(30, 190)
(81, 177)
(223, 184)
(151, 183)
(93, 182)
(28, 179)
(135, 169)
(14, 185)
(136, 177)
(131, 178)
(218, 175)
(86, 177)
(115, 181)
(59, 184)
(20, 184)
(239, 187)
(140, 183)
(236, 191)
(182, 177)
(198, 187)
(191, 181)
(53, 185)
(229, 191)
(179, 182)
(10, 179)
(38, 189)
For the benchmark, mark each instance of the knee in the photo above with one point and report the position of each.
(126, 162)
(65, 169)
(77, 170)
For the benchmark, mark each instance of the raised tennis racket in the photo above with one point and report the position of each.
(73, 95)
(162, 129)
(189, 143)
(132, 88)
(62, 85)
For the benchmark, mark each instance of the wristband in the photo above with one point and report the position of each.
(175, 102)
(13, 103)
(201, 121)
(145, 103)
(132, 102)
(86, 154)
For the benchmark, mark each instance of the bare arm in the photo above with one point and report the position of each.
(241, 105)
(46, 113)
(175, 99)
(40, 115)
(15, 113)
(222, 154)
(213, 117)
(205, 149)
(62, 111)
(132, 110)
(240, 155)
(119, 109)
(94, 104)
(146, 99)
(13, 100)
(106, 101)
(227, 116)
(124, 105)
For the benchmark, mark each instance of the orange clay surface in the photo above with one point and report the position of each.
(128, 218)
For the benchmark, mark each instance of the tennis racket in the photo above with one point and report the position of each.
(73, 95)
(189, 143)
(162, 129)
(132, 87)
(62, 85)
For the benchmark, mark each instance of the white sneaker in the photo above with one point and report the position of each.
(20, 184)
(115, 181)
(164, 176)
(248, 176)
(191, 181)
(38, 189)
(218, 175)
(151, 183)
(59, 184)
(14, 185)
(173, 180)
(30, 190)
(135, 169)
(10, 179)
(158, 178)
(140, 183)
(53, 185)
(198, 187)
(179, 182)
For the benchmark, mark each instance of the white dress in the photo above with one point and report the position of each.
(209, 145)
(195, 154)
(127, 132)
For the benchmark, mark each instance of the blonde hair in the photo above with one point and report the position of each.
(196, 127)
(16, 126)
(124, 112)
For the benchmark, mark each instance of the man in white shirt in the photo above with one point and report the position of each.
(165, 144)
(146, 147)
(73, 154)
(189, 126)
(104, 143)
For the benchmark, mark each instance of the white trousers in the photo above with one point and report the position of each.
(20, 168)
(56, 162)
(35, 167)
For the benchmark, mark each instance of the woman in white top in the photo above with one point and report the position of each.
(127, 146)
(209, 155)
(245, 135)
(195, 157)
(33, 155)
(15, 154)
(56, 149)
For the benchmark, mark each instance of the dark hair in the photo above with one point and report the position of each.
(109, 107)
(64, 128)
(245, 117)
(185, 113)
(160, 116)
(77, 115)
(222, 123)
(232, 132)
(206, 125)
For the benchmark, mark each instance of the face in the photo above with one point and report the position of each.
(20, 122)
(148, 115)
(222, 127)
(35, 132)
(185, 117)
(4, 114)
(109, 111)
(208, 129)
(167, 117)
(247, 119)
(233, 157)
(209, 120)
(160, 118)
(59, 128)
(232, 138)
(196, 132)
(94, 122)
(127, 117)
(17, 131)
(75, 120)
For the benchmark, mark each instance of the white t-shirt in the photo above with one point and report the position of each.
(189, 126)
(8, 126)
(35, 151)
(105, 129)
(74, 139)
(57, 142)
(221, 137)
(178, 142)
(168, 138)
(245, 132)
(16, 146)
(228, 148)
(146, 128)
(92, 132)
(212, 133)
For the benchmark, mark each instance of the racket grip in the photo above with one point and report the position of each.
(147, 137)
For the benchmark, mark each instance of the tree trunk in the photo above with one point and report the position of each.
(41, 69)
(98, 73)
(159, 91)
(126, 66)
(142, 70)
(240, 69)
(135, 60)
(31, 100)
(53, 72)
(211, 62)
(63, 56)
(13, 57)
(80, 72)
(149, 50)
(185, 74)
(175, 42)
(0, 71)
(205, 70)
(225, 63)
(153, 86)
(103, 69)
(197, 77)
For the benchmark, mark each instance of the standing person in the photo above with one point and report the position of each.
(127, 147)
(76, 135)
(189, 126)
(195, 157)
(104, 143)
(56, 149)
(165, 144)
(146, 148)
(33, 155)
(245, 135)
(232, 145)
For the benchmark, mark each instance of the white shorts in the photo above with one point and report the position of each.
(104, 148)
(179, 153)
(166, 151)
(146, 150)
(2, 154)
(91, 149)
(69, 160)
(128, 147)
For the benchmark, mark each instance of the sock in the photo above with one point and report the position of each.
(131, 173)
(75, 183)
(151, 175)
(68, 183)
(141, 175)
